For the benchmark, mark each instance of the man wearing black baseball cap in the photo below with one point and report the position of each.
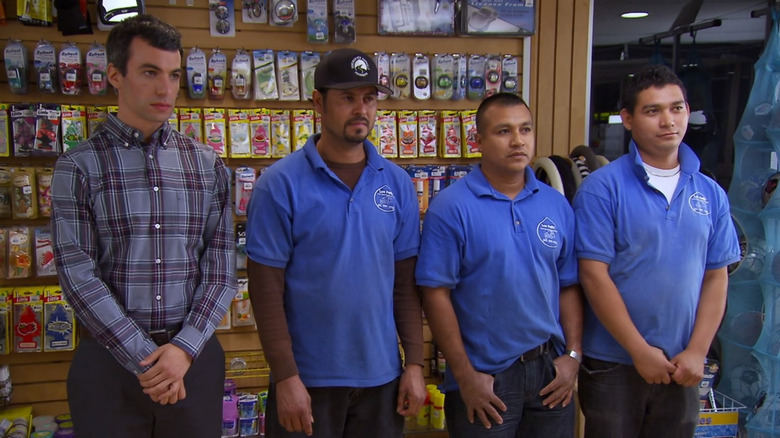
(332, 240)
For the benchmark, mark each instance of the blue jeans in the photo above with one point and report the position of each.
(518, 387)
(618, 403)
(344, 412)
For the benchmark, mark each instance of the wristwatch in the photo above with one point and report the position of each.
(574, 355)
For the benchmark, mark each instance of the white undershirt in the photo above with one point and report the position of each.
(665, 180)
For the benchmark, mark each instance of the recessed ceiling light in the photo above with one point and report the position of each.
(636, 14)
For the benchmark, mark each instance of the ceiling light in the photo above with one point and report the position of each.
(635, 14)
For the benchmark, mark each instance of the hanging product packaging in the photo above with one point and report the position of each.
(71, 70)
(254, 11)
(215, 129)
(191, 123)
(245, 181)
(5, 130)
(309, 61)
(34, 12)
(426, 122)
(173, 119)
(450, 134)
(6, 296)
(510, 82)
(407, 131)
(476, 77)
(284, 12)
(344, 21)
(443, 67)
(400, 74)
(240, 146)
(241, 312)
(24, 193)
(382, 61)
(241, 75)
(28, 305)
(5, 204)
(47, 129)
(492, 75)
(16, 61)
(217, 73)
(265, 75)
(387, 130)
(317, 21)
(97, 66)
(260, 128)
(287, 75)
(460, 78)
(45, 64)
(468, 132)
(96, 116)
(59, 319)
(280, 133)
(74, 123)
(222, 20)
(421, 72)
(197, 72)
(23, 128)
(302, 127)
(44, 176)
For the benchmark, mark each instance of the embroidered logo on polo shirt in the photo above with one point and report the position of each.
(384, 199)
(699, 204)
(548, 233)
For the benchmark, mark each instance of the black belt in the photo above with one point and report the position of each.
(535, 352)
(160, 337)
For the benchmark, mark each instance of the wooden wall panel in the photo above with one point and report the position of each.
(557, 97)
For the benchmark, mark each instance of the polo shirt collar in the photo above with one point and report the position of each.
(480, 186)
(129, 136)
(373, 159)
(689, 162)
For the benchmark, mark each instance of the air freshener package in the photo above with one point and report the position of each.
(400, 75)
(74, 126)
(242, 308)
(265, 75)
(45, 65)
(96, 116)
(191, 123)
(461, 78)
(173, 119)
(493, 75)
(197, 73)
(309, 61)
(241, 257)
(59, 321)
(215, 129)
(16, 62)
(287, 75)
(245, 182)
(47, 129)
(44, 253)
(24, 193)
(217, 74)
(260, 129)
(317, 21)
(19, 258)
(510, 82)
(421, 181)
(6, 297)
(344, 31)
(28, 319)
(468, 126)
(382, 61)
(421, 73)
(6, 200)
(241, 75)
(71, 70)
(426, 122)
(450, 134)
(437, 176)
(240, 146)
(387, 133)
(443, 66)
(44, 177)
(97, 70)
(280, 133)
(5, 130)
(302, 127)
(407, 131)
(476, 77)
(23, 128)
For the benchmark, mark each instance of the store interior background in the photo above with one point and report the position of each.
(727, 54)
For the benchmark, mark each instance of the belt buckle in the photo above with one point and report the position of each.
(160, 336)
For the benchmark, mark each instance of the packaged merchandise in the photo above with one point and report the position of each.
(450, 146)
(24, 193)
(387, 133)
(23, 128)
(173, 119)
(97, 70)
(197, 74)
(241, 75)
(240, 146)
(45, 65)
(260, 128)
(44, 176)
(426, 123)
(493, 75)
(309, 61)
(74, 126)
(302, 127)
(6, 299)
(44, 253)
(245, 182)
(287, 75)
(96, 116)
(20, 257)
(6, 199)
(215, 128)
(5, 131)
(460, 79)
(382, 61)
(217, 74)
(407, 129)
(510, 82)
(468, 124)
(421, 180)
(191, 123)
(437, 174)
(456, 172)
(476, 77)
(400, 75)
(28, 319)
(59, 321)
(241, 257)
(280, 133)
(421, 74)
(344, 31)
(16, 62)
(443, 66)
(71, 70)
(265, 75)
(47, 129)
(317, 21)
(242, 308)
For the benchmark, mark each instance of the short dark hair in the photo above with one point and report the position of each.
(498, 99)
(655, 75)
(151, 29)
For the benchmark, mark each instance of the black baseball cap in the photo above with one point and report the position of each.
(343, 69)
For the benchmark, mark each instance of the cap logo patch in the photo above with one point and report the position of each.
(360, 66)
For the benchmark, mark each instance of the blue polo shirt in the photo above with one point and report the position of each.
(657, 252)
(338, 248)
(504, 261)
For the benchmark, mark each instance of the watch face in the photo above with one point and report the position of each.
(285, 10)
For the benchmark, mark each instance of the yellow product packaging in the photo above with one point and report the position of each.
(20, 258)
(303, 127)
(387, 132)
(96, 116)
(24, 193)
(28, 319)
(59, 321)
(191, 123)
(73, 126)
(5, 192)
(173, 119)
(468, 132)
(44, 176)
(214, 129)
(426, 123)
(6, 297)
(241, 312)
(3, 253)
(407, 131)
(5, 130)
(238, 125)
(280, 133)
(450, 146)
(373, 136)
(260, 128)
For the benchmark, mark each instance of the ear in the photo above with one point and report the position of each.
(113, 75)
(316, 98)
(626, 117)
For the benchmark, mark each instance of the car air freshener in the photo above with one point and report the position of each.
(382, 61)
(24, 194)
(71, 70)
(45, 64)
(317, 21)
(280, 133)
(73, 126)
(460, 78)
(191, 123)
(302, 127)
(28, 317)
(245, 182)
(59, 319)
(240, 146)
(217, 73)
(476, 77)
(241, 257)
(215, 129)
(492, 75)
(260, 129)
(196, 74)
(96, 116)
(309, 61)
(5, 203)
(241, 75)
(468, 132)
(400, 75)
(450, 134)
(16, 61)
(44, 252)
(407, 131)
(5, 130)
(97, 68)
(344, 22)
(387, 129)
(421, 72)
(426, 127)
(287, 75)
(509, 82)
(443, 68)
(23, 128)
(6, 296)
(47, 129)
(265, 75)
(241, 311)
(44, 176)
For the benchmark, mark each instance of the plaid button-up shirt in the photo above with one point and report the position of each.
(143, 238)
